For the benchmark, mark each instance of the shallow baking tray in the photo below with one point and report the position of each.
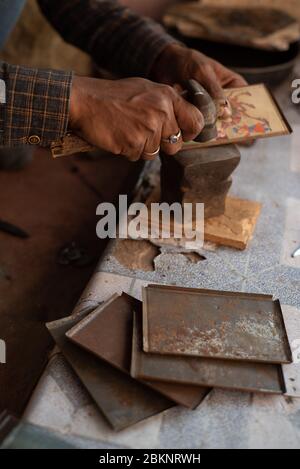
(123, 400)
(242, 376)
(107, 333)
(214, 324)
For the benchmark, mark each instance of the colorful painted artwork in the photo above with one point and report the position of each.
(245, 120)
(255, 114)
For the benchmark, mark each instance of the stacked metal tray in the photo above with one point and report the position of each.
(137, 359)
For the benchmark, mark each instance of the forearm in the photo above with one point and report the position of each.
(34, 105)
(116, 38)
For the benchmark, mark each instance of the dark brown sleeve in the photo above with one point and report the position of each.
(35, 105)
(117, 39)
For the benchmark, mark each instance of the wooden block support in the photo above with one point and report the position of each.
(236, 226)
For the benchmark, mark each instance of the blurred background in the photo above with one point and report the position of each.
(34, 42)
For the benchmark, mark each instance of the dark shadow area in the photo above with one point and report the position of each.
(55, 202)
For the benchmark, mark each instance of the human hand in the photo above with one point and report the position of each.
(178, 63)
(131, 117)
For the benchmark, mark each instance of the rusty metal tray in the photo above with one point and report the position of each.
(242, 376)
(214, 324)
(123, 400)
(107, 333)
(194, 392)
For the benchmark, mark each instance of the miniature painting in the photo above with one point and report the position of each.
(255, 114)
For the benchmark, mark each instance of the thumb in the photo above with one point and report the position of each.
(211, 83)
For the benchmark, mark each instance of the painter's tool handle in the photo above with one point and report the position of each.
(69, 145)
(199, 97)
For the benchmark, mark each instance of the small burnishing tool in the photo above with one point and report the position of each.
(194, 93)
(199, 97)
(12, 230)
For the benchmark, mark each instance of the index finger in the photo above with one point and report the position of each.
(211, 83)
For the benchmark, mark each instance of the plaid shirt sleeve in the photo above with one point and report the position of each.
(117, 39)
(34, 105)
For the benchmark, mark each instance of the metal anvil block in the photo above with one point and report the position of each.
(200, 175)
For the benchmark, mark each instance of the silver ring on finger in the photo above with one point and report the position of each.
(173, 139)
(155, 153)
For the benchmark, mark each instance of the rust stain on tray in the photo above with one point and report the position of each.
(212, 324)
(193, 393)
